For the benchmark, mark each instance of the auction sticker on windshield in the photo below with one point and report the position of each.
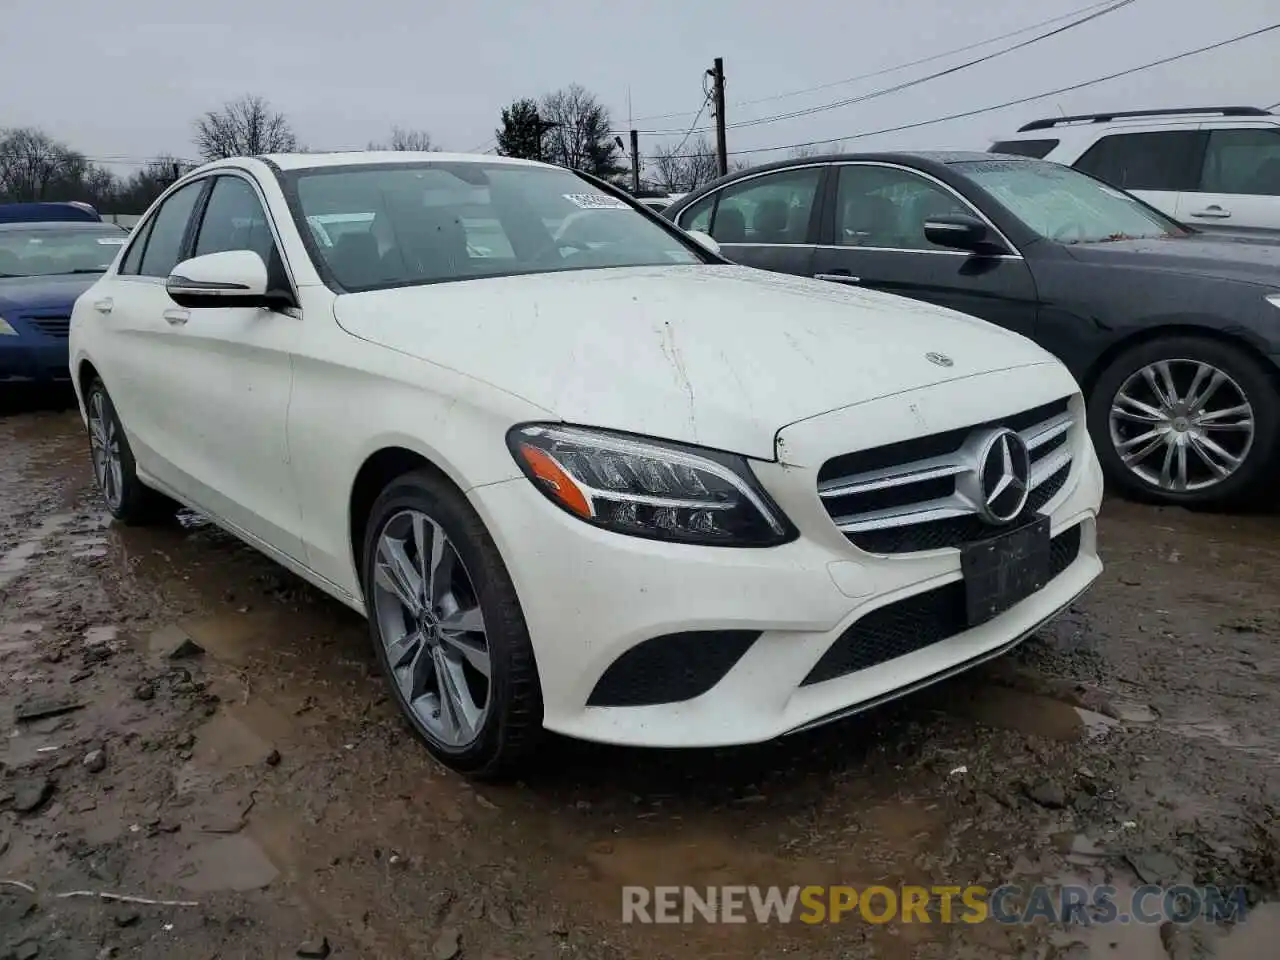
(595, 201)
(111, 241)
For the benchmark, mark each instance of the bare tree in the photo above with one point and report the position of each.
(247, 127)
(32, 163)
(578, 132)
(417, 141)
(145, 185)
(684, 168)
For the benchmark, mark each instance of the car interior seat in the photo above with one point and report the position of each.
(769, 225)
(355, 260)
(433, 244)
(730, 226)
(870, 221)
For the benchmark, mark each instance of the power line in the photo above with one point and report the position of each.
(139, 161)
(1021, 100)
(689, 133)
(896, 67)
(861, 98)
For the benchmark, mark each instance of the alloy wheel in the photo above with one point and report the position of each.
(432, 628)
(104, 447)
(1182, 425)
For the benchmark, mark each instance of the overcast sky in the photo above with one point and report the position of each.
(126, 77)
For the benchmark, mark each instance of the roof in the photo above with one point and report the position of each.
(909, 158)
(44, 211)
(1050, 122)
(301, 161)
(88, 226)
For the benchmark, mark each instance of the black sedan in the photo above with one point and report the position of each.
(1173, 335)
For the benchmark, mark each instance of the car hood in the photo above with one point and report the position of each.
(722, 356)
(1247, 259)
(22, 294)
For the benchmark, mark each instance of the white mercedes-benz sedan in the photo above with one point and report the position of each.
(580, 473)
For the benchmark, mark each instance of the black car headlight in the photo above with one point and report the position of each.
(649, 488)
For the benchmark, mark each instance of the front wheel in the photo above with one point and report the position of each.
(1186, 420)
(114, 470)
(448, 630)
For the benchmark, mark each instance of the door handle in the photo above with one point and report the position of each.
(1212, 212)
(105, 306)
(838, 277)
(177, 317)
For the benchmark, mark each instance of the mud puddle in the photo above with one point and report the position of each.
(268, 778)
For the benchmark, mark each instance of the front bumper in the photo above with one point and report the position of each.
(590, 596)
(24, 360)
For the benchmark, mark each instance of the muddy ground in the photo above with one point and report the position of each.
(268, 793)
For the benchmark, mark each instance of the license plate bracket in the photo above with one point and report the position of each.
(1005, 570)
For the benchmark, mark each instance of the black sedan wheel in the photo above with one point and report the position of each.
(1186, 420)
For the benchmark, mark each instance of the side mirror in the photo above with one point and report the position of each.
(961, 233)
(232, 278)
(706, 240)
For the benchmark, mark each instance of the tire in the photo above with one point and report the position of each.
(511, 724)
(128, 499)
(1246, 379)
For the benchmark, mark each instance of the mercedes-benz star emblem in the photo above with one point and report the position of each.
(940, 359)
(1004, 469)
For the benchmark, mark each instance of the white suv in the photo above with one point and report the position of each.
(593, 477)
(1216, 168)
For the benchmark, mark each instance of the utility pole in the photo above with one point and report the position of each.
(635, 162)
(722, 149)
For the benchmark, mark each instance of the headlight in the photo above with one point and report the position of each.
(1274, 299)
(649, 488)
(6, 330)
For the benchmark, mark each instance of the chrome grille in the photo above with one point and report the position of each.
(904, 497)
(52, 326)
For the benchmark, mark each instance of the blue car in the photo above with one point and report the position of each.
(44, 267)
(71, 210)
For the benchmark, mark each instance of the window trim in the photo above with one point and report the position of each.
(812, 234)
(1016, 254)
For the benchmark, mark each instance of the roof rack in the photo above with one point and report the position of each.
(1051, 122)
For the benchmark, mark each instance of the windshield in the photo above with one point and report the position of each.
(378, 227)
(1062, 204)
(43, 250)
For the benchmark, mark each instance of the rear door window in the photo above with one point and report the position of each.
(1244, 162)
(772, 209)
(1166, 160)
(1024, 148)
(165, 242)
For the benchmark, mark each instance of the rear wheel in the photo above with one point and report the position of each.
(447, 628)
(1186, 420)
(114, 470)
